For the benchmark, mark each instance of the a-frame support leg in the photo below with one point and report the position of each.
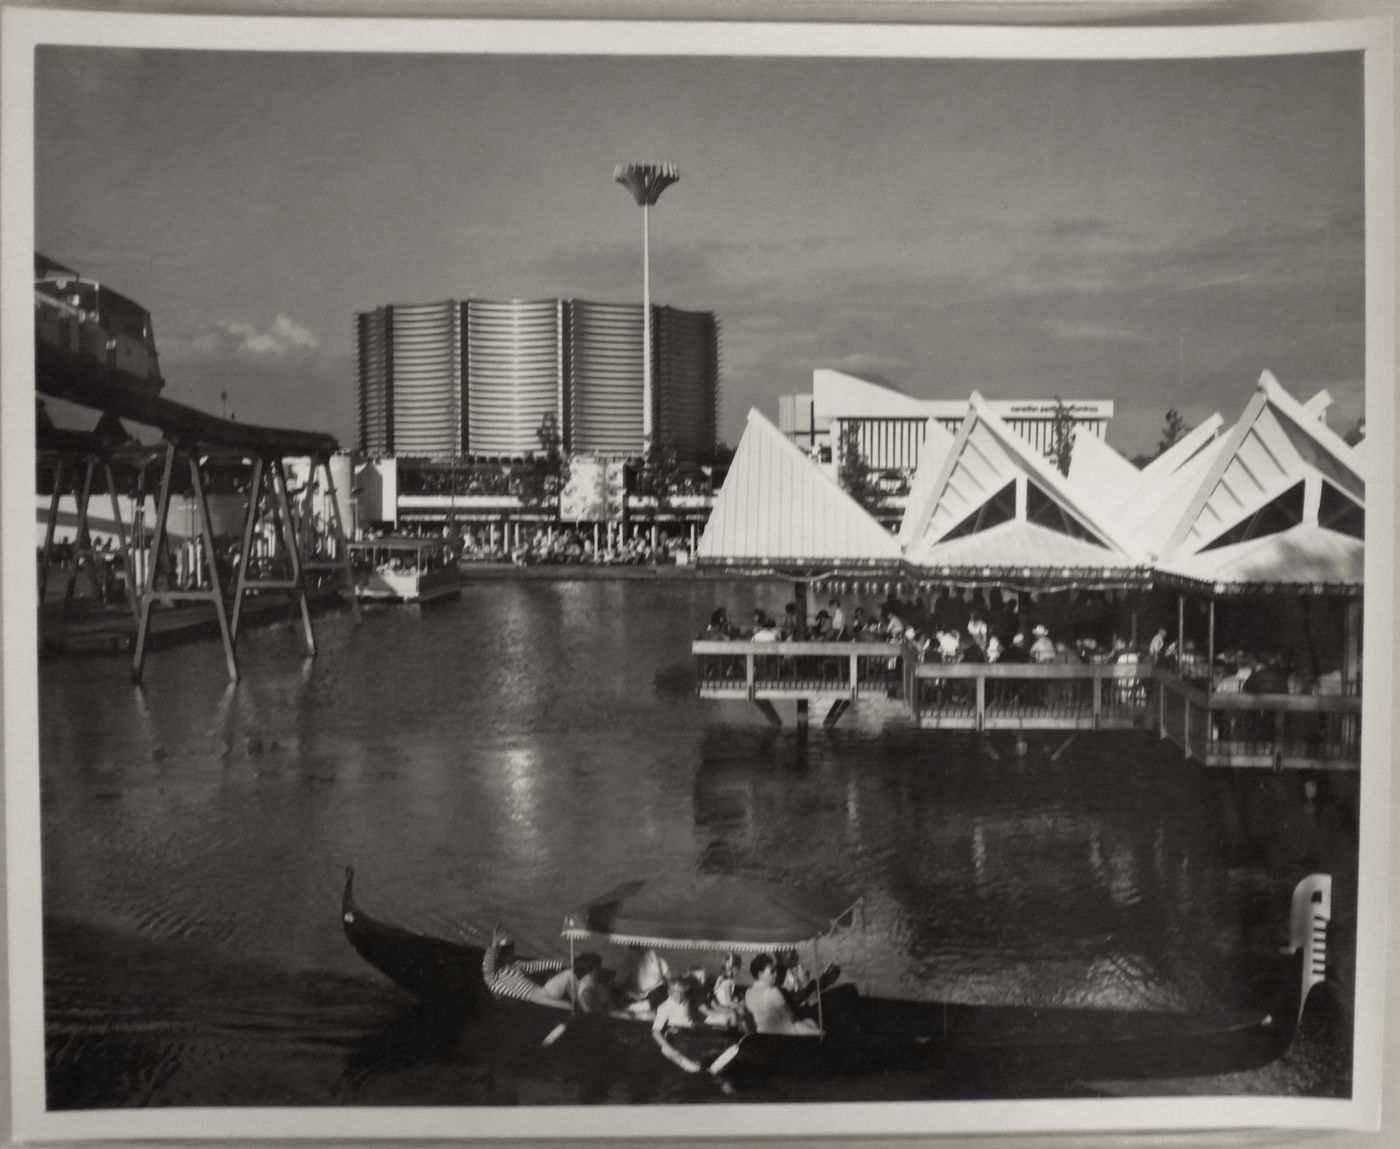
(78, 548)
(143, 625)
(289, 528)
(250, 524)
(342, 548)
(128, 558)
(60, 473)
(211, 561)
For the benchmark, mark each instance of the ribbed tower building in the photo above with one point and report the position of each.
(410, 358)
(479, 378)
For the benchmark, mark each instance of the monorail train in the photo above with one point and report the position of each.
(80, 316)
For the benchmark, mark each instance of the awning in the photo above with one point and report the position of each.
(707, 912)
(1030, 550)
(1304, 557)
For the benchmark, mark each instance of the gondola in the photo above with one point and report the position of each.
(859, 1033)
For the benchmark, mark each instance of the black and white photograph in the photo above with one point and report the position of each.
(580, 578)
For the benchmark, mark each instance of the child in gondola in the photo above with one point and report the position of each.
(676, 1012)
(726, 1004)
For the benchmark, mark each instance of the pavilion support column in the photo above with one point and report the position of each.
(1210, 649)
(60, 473)
(1133, 632)
(128, 583)
(1180, 635)
(800, 595)
(802, 715)
(211, 561)
(250, 523)
(143, 626)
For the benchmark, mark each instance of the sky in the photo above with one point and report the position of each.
(1157, 233)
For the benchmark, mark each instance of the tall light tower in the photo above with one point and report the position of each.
(646, 182)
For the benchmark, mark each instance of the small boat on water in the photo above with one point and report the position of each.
(404, 570)
(857, 1033)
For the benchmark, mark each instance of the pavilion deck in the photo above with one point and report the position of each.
(1219, 728)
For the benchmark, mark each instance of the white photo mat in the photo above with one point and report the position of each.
(26, 29)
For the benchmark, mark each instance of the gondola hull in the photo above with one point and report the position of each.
(955, 1043)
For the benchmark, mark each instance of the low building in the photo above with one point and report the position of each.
(889, 425)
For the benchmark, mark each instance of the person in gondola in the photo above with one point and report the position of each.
(676, 1012)
(798, 985)
(768, 1006)
(506, 976)
(582, 985)
(726, 1004)
(646, 980)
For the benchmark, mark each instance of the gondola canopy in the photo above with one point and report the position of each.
(707, 912)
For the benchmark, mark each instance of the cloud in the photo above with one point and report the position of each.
(284, 337)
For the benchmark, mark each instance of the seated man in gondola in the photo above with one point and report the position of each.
(766, 1004)
(506, 976)
(799, 986)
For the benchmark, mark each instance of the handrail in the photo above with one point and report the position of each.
(1295, 703)
(1050, 670)
(833, 648)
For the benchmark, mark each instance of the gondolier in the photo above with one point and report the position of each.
(506, 976)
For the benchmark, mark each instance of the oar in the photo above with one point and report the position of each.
(721, 1063)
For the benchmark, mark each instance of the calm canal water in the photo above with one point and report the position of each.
(508, 755)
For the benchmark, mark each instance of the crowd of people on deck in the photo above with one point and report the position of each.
(969, 627)
(539, 545)
(780, 998)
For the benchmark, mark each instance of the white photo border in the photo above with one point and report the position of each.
(25, 29)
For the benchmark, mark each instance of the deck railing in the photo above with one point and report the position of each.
(779, 670)
(1269, 730)
(1223, 728)
(1039, 696)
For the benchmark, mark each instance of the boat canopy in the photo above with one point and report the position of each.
(708, 912)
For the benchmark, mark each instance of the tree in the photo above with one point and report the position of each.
(547, 473)
(853, 472)
(1062, 436)
(1172, 430)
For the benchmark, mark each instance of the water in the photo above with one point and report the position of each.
(508, 755)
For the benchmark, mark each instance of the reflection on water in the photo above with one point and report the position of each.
(508, 755)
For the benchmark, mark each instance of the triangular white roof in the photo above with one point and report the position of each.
(1360, 457)
(937, 442)
(1276, 444)
(778, 507)
(1177, 456)
(1156, 507)
(836, 394)
(1095, 466)
(986, 456)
